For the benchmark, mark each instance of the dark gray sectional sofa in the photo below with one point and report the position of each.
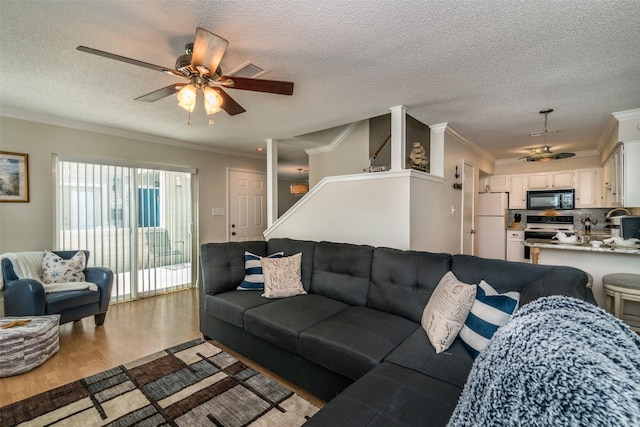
(356, 334)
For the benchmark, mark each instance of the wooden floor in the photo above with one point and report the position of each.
(131, 330)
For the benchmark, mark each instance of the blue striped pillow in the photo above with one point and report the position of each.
(253, 277)
(489, 311)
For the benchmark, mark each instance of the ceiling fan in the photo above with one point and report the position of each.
(200, 67)
(544, 154)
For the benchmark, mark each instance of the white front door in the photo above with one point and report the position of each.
(247, 205)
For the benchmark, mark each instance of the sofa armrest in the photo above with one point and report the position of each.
(24, 297)
(567, 281)
(103, 278)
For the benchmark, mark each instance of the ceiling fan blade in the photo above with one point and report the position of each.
(208, 50)
(160, 93)
(258, 85)
(229, 104)
(130, 61)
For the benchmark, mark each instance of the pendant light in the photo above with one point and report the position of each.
(299, 188)
(544, 154)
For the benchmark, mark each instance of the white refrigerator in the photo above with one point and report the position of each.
(491, 228)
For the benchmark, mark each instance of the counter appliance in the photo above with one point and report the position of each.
(491, 229)
(545, 227)
(551, 199)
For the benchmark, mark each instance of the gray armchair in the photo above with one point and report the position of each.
(26, 297)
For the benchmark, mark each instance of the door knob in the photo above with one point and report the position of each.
(233, 233)
(473, 231)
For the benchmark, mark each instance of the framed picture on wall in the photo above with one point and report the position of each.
(14, 177)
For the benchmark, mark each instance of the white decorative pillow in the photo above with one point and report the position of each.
(282, 276)
(253, 277)
(490, 310)
(447, 310)
(58, 270)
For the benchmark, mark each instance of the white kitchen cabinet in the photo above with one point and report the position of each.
(587, 188)
(498, 183)
(515, 247)
(538, 181)
(630, 171)
(517, 192)
(562, 179)
(616, 177)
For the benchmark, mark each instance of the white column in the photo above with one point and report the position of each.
(398, 137)
(272, 181)
(436, 154)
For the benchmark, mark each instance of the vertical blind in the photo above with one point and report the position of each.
(136, 221)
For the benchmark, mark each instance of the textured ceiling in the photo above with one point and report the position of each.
(486, 67)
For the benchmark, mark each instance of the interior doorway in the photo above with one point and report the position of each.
(247, 205)
(468, 211)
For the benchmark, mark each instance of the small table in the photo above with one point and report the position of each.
(25, 347)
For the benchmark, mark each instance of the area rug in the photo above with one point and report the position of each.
(192, 384)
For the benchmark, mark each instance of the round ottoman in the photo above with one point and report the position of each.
(25, 347)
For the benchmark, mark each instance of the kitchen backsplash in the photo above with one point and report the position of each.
(578, 216)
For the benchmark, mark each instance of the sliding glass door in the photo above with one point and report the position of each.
(138, 221)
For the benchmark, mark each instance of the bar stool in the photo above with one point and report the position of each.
(621, 287)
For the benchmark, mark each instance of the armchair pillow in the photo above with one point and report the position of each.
(447, 310)
(58, 270)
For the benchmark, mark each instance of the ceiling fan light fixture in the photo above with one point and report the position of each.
(544, 154)
(212, 100)
(187, 98)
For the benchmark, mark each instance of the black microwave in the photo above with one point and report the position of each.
(551, 199)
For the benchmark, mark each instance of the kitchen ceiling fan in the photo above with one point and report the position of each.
(200, 68)
(544, 154)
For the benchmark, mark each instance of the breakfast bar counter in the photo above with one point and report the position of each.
(598, 262)
(537, 244)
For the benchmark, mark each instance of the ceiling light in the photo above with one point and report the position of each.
(544, 154)
(188, 95)
(299, 188)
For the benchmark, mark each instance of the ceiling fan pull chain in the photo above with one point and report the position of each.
(189, 121)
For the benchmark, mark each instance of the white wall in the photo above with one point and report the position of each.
(350, 156)
(30, 226)
(371, 209)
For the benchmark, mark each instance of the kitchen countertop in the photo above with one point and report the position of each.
(554, 244)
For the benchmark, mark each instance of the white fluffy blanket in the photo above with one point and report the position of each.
(559, 361)
(28, 265)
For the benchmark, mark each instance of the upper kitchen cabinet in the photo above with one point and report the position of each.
(498, 183)
(588, 188)
(550, 180)
(630, 151)
(517, 192)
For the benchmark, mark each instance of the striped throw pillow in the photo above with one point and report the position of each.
(253, 277)
(489, 311)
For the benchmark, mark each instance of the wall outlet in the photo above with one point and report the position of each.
(217, 212)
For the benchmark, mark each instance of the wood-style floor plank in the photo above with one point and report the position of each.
(132, 330)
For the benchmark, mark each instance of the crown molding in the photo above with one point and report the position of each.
(336, 141)
(73, 124)
(627, 115)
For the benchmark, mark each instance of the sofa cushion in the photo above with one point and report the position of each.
(354, 340)
(57, 302)
(282, 276)
(231, 306)
(281, 322)
(390, 396)
(489, 311)
(402, 281)
(342, 271)
(253, 274)
(446, 311)
(417, 353)
(290, 247)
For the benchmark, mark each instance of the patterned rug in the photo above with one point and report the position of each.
(192, 384)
